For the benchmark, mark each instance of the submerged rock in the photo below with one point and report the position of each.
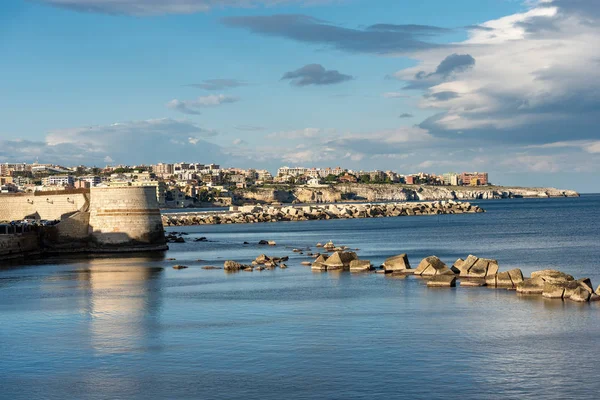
(442, 281)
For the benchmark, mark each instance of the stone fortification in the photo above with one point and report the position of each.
(252, 214)
(43, 205)
(125, 216)
(105, 219)
(19, 245)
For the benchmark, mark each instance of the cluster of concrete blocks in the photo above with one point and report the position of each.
(469, 272)
(254, 214)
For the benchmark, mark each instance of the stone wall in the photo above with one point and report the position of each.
(46, 205)
(12, 246)
(125, 216)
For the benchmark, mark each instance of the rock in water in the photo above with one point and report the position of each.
(340, 259)
(442, 281)
(580, 295)
(552, 276)
(431, 266)
(232, 266)
(180, 267)
(397, 263)
(475, 267)
(360, 265)
(531, 286)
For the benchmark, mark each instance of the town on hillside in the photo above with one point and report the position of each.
(191, 184)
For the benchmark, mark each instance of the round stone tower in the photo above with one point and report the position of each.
(126, 218)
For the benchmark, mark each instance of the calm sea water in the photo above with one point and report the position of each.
(134, 328)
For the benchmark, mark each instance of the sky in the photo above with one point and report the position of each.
(509, 87)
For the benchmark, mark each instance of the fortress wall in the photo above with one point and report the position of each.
(125, 215)
(18, 245)
(48, 206)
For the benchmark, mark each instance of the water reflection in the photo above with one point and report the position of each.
(123, 301)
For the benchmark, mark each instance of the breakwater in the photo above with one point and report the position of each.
(473, 271)
(254, 214)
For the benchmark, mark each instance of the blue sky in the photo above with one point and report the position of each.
(503, 86)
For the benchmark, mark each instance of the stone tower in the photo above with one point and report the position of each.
(125, 219)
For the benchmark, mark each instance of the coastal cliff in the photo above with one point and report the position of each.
(374, 192)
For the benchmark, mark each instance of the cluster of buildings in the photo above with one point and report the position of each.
(302, 175)
(185, 184)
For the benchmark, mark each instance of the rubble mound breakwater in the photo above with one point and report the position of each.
(254, 214)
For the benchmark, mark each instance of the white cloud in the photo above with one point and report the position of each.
(535, 79)
(589, 146)
(127, 142)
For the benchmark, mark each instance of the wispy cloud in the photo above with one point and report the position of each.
(377, 39)
(315, 74)
(162, 7)
(192, 106)
(218, 84)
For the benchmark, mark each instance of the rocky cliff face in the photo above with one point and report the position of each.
(374, 193)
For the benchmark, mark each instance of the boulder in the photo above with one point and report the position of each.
(263, 242)
(232, 266)
(262, 259)
(431, 266)
(360, 265)
(442, 281)
(531, 286)
(580, 295)
(306, 263)
(553, 290)
(571, 286)
(475, 267)
(397, 263)
(318, 267)
(509, 279)
(180, 266)
(340, 259)
(516, 276)
(552, 276)
(272, 243)
(503, 280)
(329, 246)
(282, 266)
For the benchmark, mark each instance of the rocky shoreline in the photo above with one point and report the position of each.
(272, 213)
(382, 192)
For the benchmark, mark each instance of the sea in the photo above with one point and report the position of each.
(135, 328)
